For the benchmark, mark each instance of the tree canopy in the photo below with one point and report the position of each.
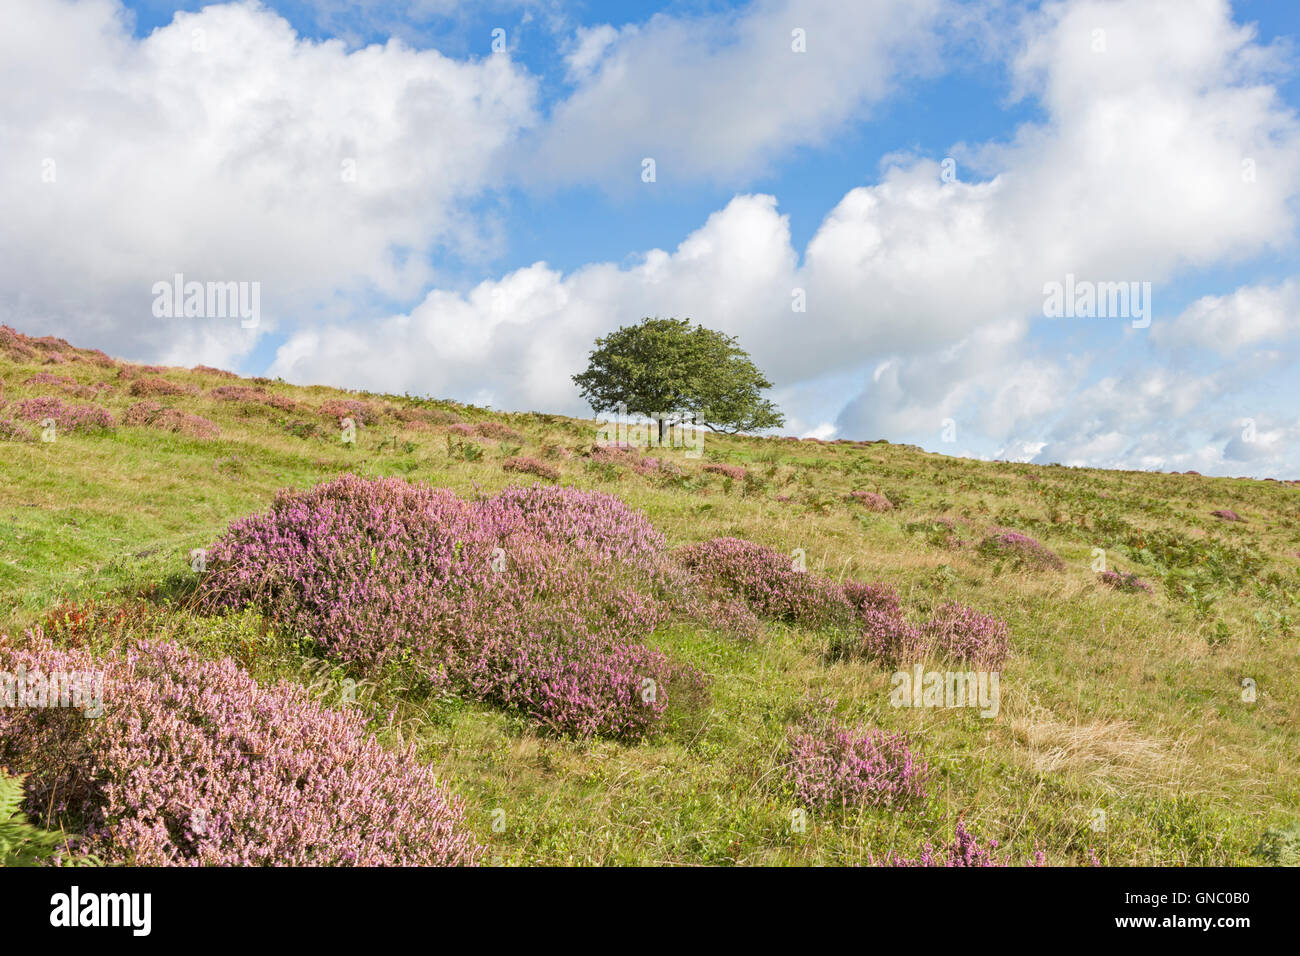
(671, 368)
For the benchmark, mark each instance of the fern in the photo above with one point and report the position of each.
(23, 843)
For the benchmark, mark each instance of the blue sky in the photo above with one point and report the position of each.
(1100, 138)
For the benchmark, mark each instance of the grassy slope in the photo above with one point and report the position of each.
(1127, 703)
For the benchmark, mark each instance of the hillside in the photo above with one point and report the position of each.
(1173, 711)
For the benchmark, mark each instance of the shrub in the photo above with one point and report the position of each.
(539, 599)
(1022, 550)
(767, 580)
(531, 466)
(498, 431)
(461, 428)
(257, 396)
(1125, 581)
(67, 418)
(871, 500)
(194, 763)
(218, 372)
(1227, 514)
(153, 415)
(961, 633)
(160, 386)
(11, 430)
(734, 472)
(886, 637)
(874, 597)
(363, 413)
(964, 850)
(829, 764)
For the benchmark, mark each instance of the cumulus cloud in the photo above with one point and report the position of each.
(1249, 316)
(723, 95)
(225, 147)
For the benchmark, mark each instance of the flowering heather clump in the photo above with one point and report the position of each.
(537, 598)
(767, 580)
(885, 636)
(245, 393)
(218, 372)
(498, 431)
(964, 850)
(961, 633)
(363, 413)
(1227, 514)
(11, 430)
(871, 500)
(735, 472)
(67, 418)
(461, 428)
(1125, 581)
(128, 371)
(531, 466)
(48, 378)
(878, 597)
(830, 765)
(174, 420)
(193, 763)
(160, 386)
(1021, 549)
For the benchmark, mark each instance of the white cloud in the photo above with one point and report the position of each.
(1227, 323)
(722, 95)
(216, 147)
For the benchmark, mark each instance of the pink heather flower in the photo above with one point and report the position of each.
(1021, 550)
(872, 500)
(829, 764)
(67, 418)
(1227, 514)
(193, 763)
(1125, 581)
(531, 466)
(964, 850)
(542, 599)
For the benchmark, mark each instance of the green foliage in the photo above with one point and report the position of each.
(669, 367)
(23, 843)
(1280, 846)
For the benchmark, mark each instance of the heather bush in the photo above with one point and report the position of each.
(1021, 550)
(531, 466)
(1227, 514)
(67, 418)
(734, 472)
(964, 850)
(257, 396)
(142, 387)
(885, 636)
(218, 372)
(193, 763)
(153, 415)
(960, 633)
(11, 430)
(872, 597)
(498, 431)
(829, 764)
(768, 581)
(362, 413)
(1125, 581)
(871, 500)
(540, 599)
(461, 428)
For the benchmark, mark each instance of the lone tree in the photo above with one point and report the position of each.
(674, 370)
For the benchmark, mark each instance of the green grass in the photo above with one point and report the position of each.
(1129, 704)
